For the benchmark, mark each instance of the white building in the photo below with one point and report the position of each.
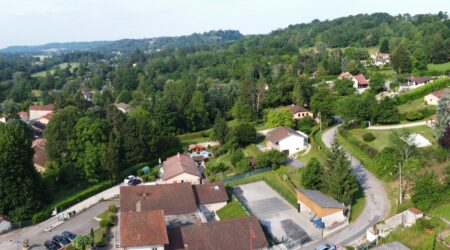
(210, 197)
(433, 98)
(287, 140)
(5, 225)
(415, 82)
(38, 111)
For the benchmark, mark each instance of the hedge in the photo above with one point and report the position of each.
(82, 195)
(423, 91)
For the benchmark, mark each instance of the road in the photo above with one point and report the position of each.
(80, 224)
(375, 210)
(407, 125)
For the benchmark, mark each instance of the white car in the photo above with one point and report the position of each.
(129, 178)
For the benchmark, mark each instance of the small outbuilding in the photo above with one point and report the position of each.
(5, 224)
(323, 210)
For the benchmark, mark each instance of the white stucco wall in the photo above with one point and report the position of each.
(301, 115)
(431, 99)
(184, 178)
(5, 226)
(36, 114)
(215, 206)
(292, 143)
(337, 217)
(155, 247)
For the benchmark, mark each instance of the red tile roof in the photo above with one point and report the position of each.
(146, 228)
(22, 114)
(209, 193)
(345, 75)
(179, 164)
(42, 107)
(415, 210)
(441, 93)
(177, 198)
(229, 234)
(296, 109)
(361, 79)
(47, 116)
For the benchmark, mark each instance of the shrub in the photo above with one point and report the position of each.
(414, 115)
(306, 124)
(243, 165)
(111, 218)
(103, 222)
(368, 137)
(112, 208)
(423, 91)
(272, 158)
(217, 168)
(236, 156)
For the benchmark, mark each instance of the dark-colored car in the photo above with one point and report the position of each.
(134, 182)
(60, 241)
(69, 235)
(50, 245)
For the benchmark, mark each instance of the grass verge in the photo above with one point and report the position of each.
(233, 209)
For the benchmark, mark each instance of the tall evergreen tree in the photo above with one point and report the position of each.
(20, 187)
(111, 159)
(341, 183)
(312, 175)
(220, 130)
(401, 60)
(384, 46)
(197, 112)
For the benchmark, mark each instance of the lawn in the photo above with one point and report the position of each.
(443, 211)
(382, 136)
(443, 67)
(413, 106)
(316, 144)
(202, 136)
(100, 236)
(233, 209)
(73, 65)
(389, 73)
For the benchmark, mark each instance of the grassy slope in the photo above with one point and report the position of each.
(62, 66)
(232, 210)
(439, 67)
(413, 106)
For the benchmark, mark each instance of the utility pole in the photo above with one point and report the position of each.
(400, 184)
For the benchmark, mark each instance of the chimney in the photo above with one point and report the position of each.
(138, 206)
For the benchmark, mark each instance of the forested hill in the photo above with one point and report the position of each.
(127, 45)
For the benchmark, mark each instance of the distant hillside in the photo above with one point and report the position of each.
(127, 45)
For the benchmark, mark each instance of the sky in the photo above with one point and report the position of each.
(33, 22)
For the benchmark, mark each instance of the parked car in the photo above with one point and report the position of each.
(50, 245)
(129, 178)
(134, 182)
(69, 235)
(60, 241)
(327, 246)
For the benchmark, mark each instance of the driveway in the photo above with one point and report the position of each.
(375, 210)
(407, 125)
(294, 162)
(79, 224)
(280, 219)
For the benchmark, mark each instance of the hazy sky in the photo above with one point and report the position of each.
(30, 22)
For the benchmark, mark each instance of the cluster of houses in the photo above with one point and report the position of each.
(380, 59)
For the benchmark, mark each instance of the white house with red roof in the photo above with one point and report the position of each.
(360, 83)
(38, 111)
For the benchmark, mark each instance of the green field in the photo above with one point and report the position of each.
(73, 65)
(382, 136)
(233, 209)
(443, 67)
(443, 211)
(414, 106)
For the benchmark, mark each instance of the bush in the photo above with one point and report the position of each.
(112, 208)
(423, 91)
(217, 168)
(414, 115)
(236, 156)
(243, 165)
(368, 137)
(272, 158)
(103, 223)
(111, 218)
(306, 124)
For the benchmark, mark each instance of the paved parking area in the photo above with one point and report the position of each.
(281, 219)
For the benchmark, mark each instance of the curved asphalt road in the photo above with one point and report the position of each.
(375, 210)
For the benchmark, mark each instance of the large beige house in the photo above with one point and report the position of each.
(433, 98)
(180, 168)
(298, 112)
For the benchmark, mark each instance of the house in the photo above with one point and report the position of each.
(380, 59)
(360, 83)
(180, 168)
(5, 224)
(322, 209)
(195, 148)
(287, 140)
(88, 95)
(210, 197)
(23, 116)
(2, 119)
(143, 230)
(416, 81)
(125, 108)
(37, 111)
(40, 156)
(237, 234)
(173, 199)
(433, 98)
(299, 112)
(46, 118)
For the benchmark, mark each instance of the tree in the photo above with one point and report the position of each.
(344, 87)
(279, 117)
(111, 159)
(272, 158)
(197, 112)
(82, 241)
(322, 104)
(420, 59)
(245, 134)
(220, 130)
(384, 46)
(441, 127)
(242, 110)
(312, 175)
(401, 60)
(428, 192)
(341, 183)
(387, 112)
(137, 140)
(377, 83)
(439, 53)
(20, 186)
